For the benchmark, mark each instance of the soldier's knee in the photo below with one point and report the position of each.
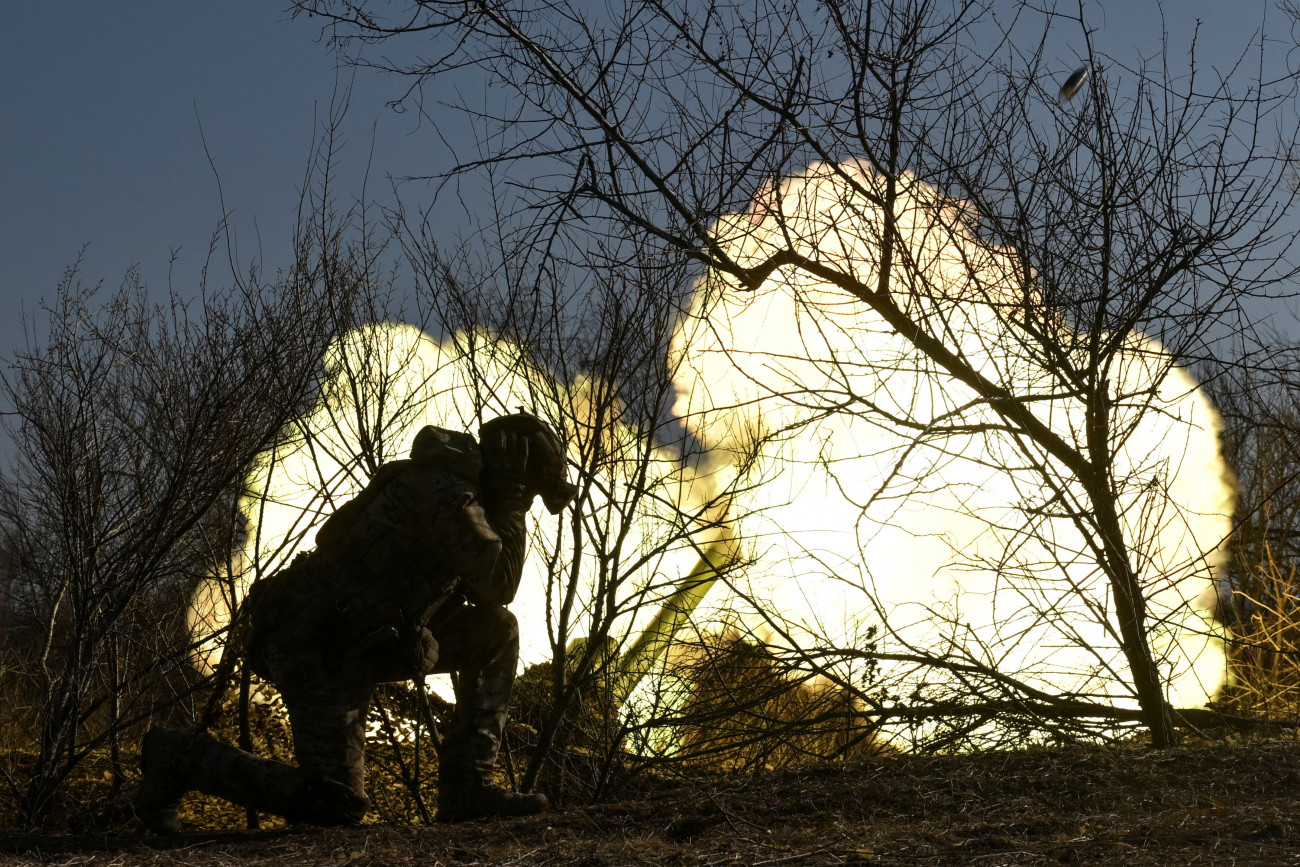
(504, 620)
(477, 635)
(502, 625)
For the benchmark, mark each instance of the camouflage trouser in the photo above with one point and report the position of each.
(485, 671)
(327, 711)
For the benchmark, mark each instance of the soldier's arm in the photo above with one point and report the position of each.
(506, 497)
(506, 502)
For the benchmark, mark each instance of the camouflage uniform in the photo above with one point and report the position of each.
(410, 578)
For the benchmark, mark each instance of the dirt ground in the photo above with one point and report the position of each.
(1208, 804)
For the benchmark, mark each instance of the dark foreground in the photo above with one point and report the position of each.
(1213, 804)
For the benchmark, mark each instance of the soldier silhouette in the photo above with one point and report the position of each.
(410, 578)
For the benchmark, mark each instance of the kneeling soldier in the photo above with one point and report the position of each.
(410, 578)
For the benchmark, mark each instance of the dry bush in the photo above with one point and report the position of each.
(136, 421)
(586, 757)
(1265, 652)
(740, 708)
(1260, 603)
(402, 754)
(746, 712)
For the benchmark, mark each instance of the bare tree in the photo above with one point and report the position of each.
(1262, 441)
(1150, 205)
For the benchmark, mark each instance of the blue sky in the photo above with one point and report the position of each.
(102, 102)
(101, 142)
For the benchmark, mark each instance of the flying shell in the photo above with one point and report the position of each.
(1074, 83)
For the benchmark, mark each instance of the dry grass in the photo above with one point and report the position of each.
(1213, 802)
(746, 712)
(1198, 803)
(1265, 655)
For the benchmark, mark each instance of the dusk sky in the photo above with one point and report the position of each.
(102, 103)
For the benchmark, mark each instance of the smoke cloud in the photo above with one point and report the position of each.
(876, 490)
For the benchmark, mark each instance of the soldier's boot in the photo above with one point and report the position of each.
(482, 645)
(161, 782)
(176, 762)
(466, 789)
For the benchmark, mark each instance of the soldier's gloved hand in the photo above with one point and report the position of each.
(505, 468)
(424, 652)
(506, 452)
(545, 461)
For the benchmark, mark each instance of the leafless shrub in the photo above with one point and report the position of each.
(136, 423)
(748, 711)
